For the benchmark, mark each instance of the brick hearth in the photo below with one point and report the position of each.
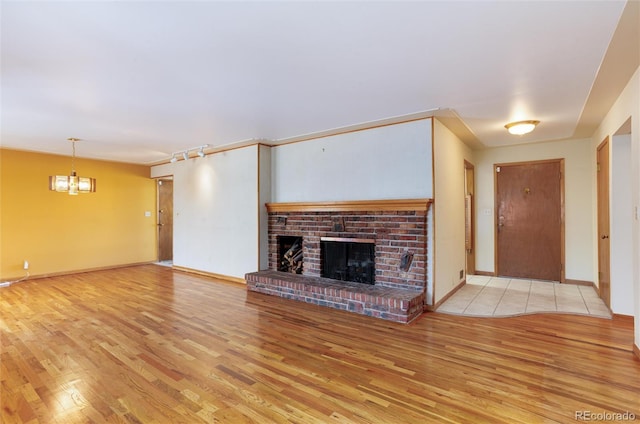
(377, 301)
(398, 227)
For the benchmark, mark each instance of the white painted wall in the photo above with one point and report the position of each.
(215, 206)
(627, 105)
(621, 222)
(450, 154)
(390, 162)
(219, 200)
(579, 167)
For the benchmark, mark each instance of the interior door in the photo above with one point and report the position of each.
(529, 222)
(604, 259)
(469, 218)
(165, 220)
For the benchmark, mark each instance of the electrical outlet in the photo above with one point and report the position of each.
(25, 266)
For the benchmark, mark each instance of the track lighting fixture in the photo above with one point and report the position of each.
(185, 153)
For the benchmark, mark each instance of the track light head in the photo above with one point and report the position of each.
(185, 153)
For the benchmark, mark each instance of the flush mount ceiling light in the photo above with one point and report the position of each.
(185, 153)
(72, 184)
(521, 127)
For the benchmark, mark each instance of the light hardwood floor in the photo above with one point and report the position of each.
(147, 344)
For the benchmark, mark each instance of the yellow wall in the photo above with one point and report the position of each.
(59, 233)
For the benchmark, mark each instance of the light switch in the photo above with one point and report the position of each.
(147, 213)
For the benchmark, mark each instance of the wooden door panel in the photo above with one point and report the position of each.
(604, 272)
(469, 218)
(529, 220)
(165, 220)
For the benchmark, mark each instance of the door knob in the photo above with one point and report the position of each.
(605, 237)
(160, 225)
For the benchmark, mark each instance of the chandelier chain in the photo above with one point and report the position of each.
(73, 157)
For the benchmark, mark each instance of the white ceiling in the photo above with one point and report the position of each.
(139, 80)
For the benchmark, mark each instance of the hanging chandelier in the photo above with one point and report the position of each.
(72, 184)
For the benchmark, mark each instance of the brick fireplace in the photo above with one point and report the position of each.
(396, 230)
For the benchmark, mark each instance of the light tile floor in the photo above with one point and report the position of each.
(502, 297)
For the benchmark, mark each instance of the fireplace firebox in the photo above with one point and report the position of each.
(348, 259)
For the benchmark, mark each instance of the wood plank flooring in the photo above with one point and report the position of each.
(147, 344)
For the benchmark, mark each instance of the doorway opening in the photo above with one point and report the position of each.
(530, 220)
(165, 220)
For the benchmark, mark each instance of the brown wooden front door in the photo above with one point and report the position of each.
(604, 259)
(165, 220)
(529, 220)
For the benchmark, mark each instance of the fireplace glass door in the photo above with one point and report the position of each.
(348, 261)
